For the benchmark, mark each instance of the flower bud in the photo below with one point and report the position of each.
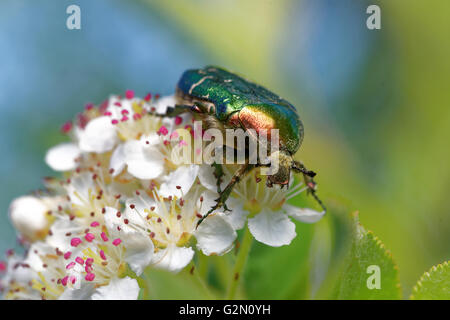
(29, 216)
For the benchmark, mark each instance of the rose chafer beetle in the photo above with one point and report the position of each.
(226, 100)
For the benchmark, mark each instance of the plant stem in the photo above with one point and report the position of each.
(200, 282)
(143, 281)
(203, 265)
(240, 264)
(223, 269)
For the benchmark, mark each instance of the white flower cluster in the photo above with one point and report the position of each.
(125, 205)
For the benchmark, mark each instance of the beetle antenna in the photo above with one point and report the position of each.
(313, 193)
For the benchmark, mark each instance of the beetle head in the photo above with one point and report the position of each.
(282, 161)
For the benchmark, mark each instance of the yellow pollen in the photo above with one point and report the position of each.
(136, 107)
(91, 254)
(279, 205)
(122, 269)
(184, 239)
(252, 206)
(169, 164)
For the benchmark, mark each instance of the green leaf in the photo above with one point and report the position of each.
(161, 284)
(370, 272)
(434, 284)
(282, 272)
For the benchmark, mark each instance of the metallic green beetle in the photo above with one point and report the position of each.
(234, 102)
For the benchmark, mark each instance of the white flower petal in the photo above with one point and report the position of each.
(173, 258)
(183, 177)
(303, 214)
(79, 188)
(171, 122)
(112, 221)
(141, 202)
(273, 228)
(215, 235)
(118, 289)
(236, 217)
(163, 103)
(144, 162)
(36, 251)
(125, 104)
(99, 136)
(29, 216)
(145, 169)
(139, 247)
(17, 272)
(209, 200)
(238, 214)
(142, 205)
(84, 293)
(208, 180)
(139, 251)
(152, 139)
(118, 160)
(59, 229)
(62, 157)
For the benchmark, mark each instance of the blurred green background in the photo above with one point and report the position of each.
(375, 104)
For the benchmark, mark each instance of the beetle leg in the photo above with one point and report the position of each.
(298, 166)
(220, 202)
(202, 108)
(308, 175)
(176, 110)
(218, 173)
